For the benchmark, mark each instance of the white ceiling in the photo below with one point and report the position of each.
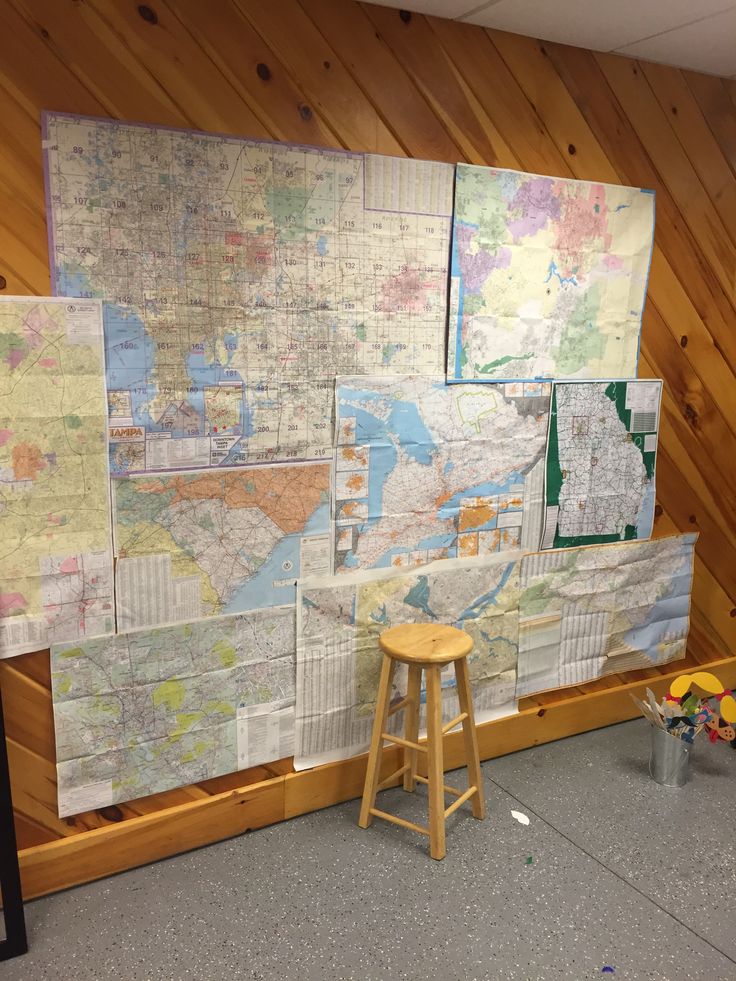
(699, 35)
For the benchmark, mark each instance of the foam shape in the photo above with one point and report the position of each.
(727, 708)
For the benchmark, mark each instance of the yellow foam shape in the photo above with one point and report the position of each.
(707, 681)
(680, 685)
(727, 708)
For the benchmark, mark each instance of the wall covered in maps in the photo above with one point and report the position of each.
(362, 79)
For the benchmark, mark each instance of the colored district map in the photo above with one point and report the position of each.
(55, 554)
(144, 712)
(241, 278)
(426, 471)
(339, 662)
(548, 276)
(199, 544)
(601, 458)
(602, 609)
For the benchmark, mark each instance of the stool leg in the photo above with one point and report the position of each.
(411, 725)
(374, 757)
(436, 770)
(472, 758)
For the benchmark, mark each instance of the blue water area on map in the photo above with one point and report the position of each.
(129, 350)
(208, 374)
(282, 563)
(130, 355)
(645, 519)
(487, 488)
(405, 425)
(231, 342)
(434, 541)
(564, 280)
(381, 616)
(322, 245)
(478, 606)
(418, 597)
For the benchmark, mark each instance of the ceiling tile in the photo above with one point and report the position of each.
(439, 8)
(599, 24)
(708, 46)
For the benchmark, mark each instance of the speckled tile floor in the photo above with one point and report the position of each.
(624, 874)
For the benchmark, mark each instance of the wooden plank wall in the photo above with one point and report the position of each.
(339, 73)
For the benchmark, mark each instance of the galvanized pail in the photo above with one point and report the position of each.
(669, 760)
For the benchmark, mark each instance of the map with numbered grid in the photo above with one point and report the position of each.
(598, 610)
(144, 712)
(601, 460)
(428, 471)
(339, 661)
(199, 544)
(241, 277)
(55, 541)
(548, 276)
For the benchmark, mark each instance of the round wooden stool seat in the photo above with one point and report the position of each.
(425, 643)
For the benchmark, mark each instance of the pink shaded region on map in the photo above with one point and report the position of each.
(12, 602)
(69, 564)
(35, 324)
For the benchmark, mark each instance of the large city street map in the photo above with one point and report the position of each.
(241, 277)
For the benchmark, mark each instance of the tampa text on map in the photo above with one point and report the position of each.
(242, 276)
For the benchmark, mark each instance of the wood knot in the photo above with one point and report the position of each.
(571, 149)
(541, 712)
(691, 415)
(732, 612)
(405, 15)
(3, 282)
(692, 519)
(683, 340)
(147, 13)
(263, 71)
(658, 512)
(327, 65)
(674, 110)
(305, 112)
(44, 34)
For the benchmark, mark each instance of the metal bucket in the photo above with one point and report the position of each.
(669, 760)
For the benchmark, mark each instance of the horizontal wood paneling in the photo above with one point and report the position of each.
(346, 74)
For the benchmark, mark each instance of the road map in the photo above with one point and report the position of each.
(144, 712)
(242, 277)
(55, 550)
(601, 459)
(427, 471)
(339, 662)
(548, 276)
(190, 545)
(602, 609)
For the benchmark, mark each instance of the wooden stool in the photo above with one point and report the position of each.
(428, 647)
